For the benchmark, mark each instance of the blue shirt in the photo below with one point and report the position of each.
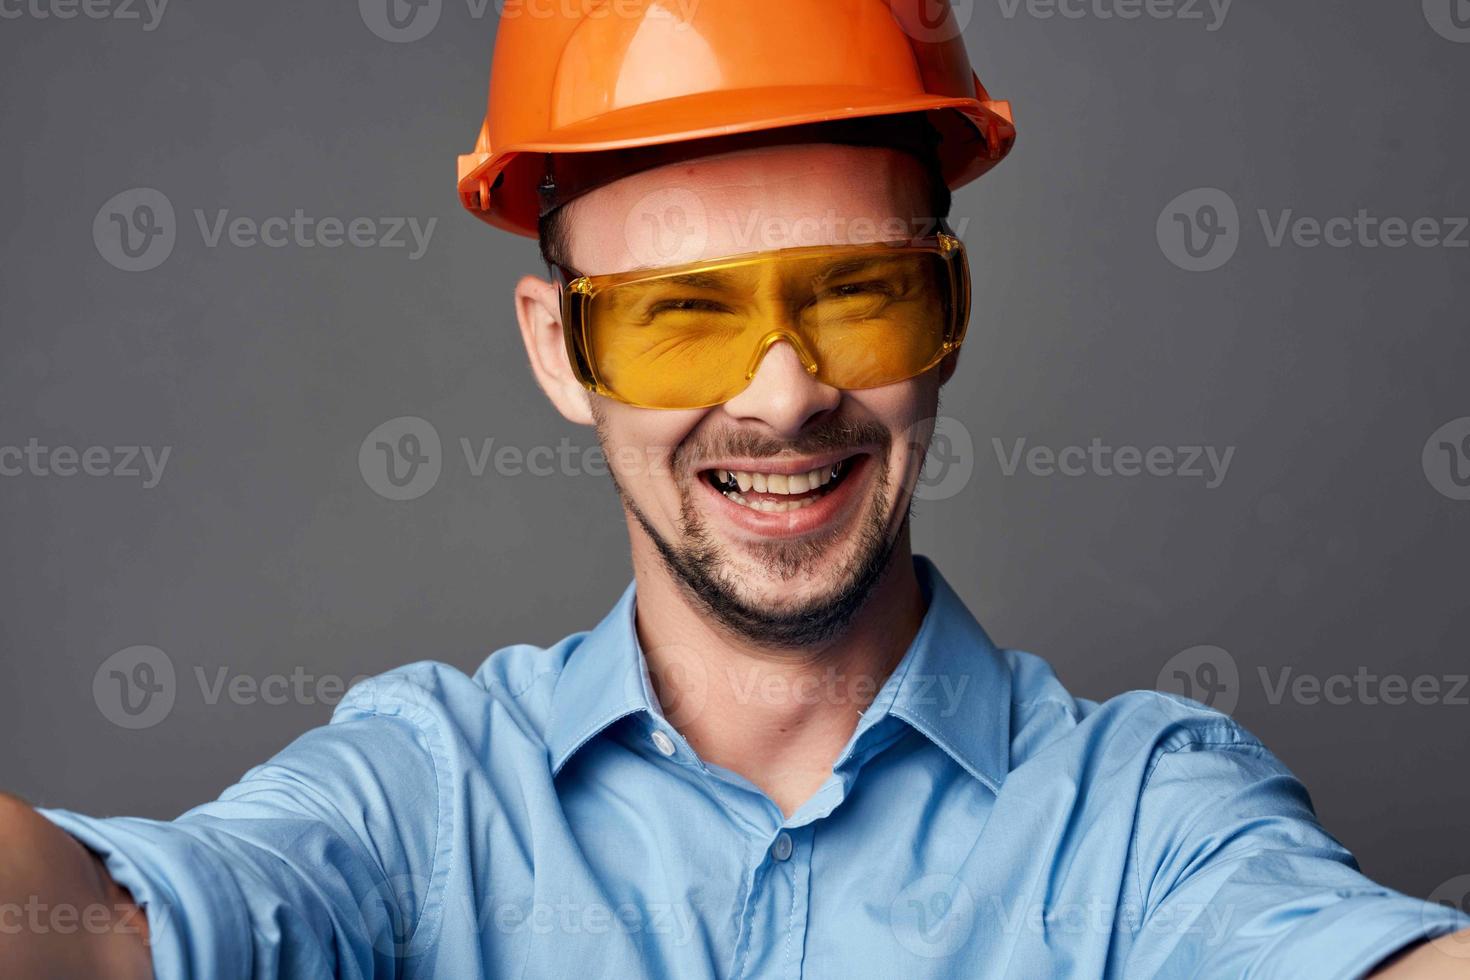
(544, 819)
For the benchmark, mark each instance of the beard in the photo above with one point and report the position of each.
(704, 570)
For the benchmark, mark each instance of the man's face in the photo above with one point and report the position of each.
(781, 508)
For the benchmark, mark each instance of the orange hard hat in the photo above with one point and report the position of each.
(572, 88)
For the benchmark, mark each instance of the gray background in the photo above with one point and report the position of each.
(264, 550)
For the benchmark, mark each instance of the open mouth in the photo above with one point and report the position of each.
(778, 493)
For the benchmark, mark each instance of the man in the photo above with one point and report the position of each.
(789, 750)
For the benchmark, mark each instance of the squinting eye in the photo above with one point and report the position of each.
(872, 287)
(685, 306)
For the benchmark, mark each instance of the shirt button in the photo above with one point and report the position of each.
(663, 743)
(781, 850)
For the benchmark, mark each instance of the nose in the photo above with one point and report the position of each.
(782, 394)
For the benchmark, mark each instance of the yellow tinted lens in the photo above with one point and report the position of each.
(876, 323)
(867, 315)
(674, 341)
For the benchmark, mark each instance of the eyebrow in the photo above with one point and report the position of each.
(697, 280)
(850, 266)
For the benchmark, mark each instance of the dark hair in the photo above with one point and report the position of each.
(554, 227)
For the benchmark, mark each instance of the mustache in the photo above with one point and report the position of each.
(832, 435)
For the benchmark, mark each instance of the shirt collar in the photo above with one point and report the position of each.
(605, 679)
(952, 685)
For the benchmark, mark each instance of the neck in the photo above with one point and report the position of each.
(777, 716)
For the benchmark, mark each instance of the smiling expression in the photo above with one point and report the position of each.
(780, 509)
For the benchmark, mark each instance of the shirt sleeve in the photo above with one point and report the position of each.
(1235, 877)
(320, 863)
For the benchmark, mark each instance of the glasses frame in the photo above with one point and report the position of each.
(577, 292)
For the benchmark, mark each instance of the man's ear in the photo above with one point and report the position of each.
(538, 311)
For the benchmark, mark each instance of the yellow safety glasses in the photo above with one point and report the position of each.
(692, 336)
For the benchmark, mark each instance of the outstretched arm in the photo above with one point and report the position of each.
(1440, 959)
(61, 914)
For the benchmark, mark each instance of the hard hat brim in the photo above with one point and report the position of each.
(498, 185)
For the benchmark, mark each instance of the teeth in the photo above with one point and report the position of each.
(781, 483)
(772, 506)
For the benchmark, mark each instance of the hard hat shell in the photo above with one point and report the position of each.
(572, 79)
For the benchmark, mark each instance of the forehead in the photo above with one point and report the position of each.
(747, 201)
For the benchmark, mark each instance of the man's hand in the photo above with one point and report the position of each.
(1445, 957)
(61, 914)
